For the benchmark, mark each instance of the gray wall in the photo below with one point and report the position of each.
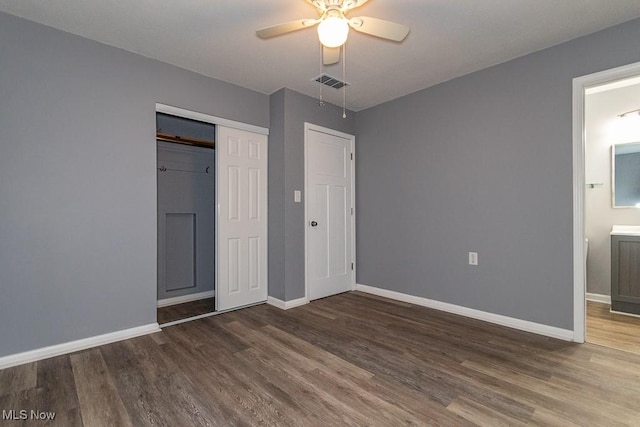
(604, 128)
(276, 200)
(289, 111)
(480, 163)
(78, 180)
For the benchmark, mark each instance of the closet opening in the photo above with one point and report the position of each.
(186, 183)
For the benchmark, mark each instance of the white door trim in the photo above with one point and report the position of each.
(308, 127)
(579, 184)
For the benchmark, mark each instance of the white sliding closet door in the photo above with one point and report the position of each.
(242, 218)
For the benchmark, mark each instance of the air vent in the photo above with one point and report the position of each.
(327, 80)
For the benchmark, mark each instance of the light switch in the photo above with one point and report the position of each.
(297, 197)
(473, 258)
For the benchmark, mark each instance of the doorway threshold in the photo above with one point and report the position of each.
(202, 316)
(188, 319)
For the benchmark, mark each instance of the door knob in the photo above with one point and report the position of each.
(314, 223)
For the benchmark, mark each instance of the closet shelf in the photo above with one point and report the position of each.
(161, 136)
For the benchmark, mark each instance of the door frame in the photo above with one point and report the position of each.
(580, 84)
(309, 127)
(218, 121)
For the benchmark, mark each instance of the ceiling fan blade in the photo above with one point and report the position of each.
(379, 28)
(330, 55)
(287, 27)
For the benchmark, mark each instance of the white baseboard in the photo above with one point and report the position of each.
(624, 313)
(285, 305)
(523, 325)
(185, 298)
(72, 346)
(606, 299)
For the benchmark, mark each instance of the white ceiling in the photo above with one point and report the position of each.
(448, 38)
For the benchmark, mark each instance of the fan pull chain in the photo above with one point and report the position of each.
(344, 81)
(320, 100)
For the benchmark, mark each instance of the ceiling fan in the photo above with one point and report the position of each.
(333, 26)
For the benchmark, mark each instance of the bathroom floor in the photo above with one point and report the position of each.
(612, 330)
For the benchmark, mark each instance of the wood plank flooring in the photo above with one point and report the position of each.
(184, 311)
(351, 359)
(612, 330)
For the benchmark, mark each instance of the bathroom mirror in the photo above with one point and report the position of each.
(625, 180)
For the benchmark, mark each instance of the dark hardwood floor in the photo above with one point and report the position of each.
(185, 310)
(612, 330)
(351, 359)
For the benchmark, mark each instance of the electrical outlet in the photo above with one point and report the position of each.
(473, 258)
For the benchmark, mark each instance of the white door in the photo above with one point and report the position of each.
(329, 213)
(242, 218)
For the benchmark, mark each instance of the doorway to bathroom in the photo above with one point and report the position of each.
(611, 185)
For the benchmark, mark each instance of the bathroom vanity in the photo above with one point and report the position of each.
(625, 269)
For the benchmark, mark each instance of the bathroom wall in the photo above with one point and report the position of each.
(603, 129)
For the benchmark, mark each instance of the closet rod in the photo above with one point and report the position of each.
(164, 169)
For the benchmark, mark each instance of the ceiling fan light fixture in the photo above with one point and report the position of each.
(333, 31)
